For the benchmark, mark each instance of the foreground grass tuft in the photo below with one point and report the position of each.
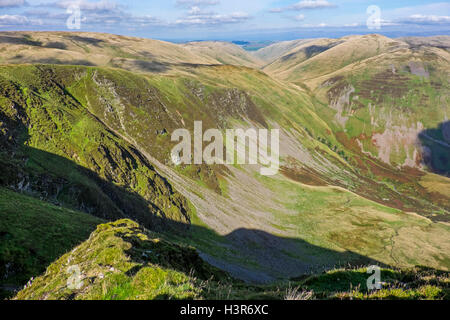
(33, 234)
(123, 261)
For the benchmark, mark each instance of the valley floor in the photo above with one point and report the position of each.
(90, 196)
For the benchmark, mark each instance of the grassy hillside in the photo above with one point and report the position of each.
(209, 97)
(116, 125)
(33, 234)
(354, 184)
(224, 53)
(319, 57)
(386, 102)
(278, 49)
(392, 106)
(99, 49)
(57, 150)
(122, 261)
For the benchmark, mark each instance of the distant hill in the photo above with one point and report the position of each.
(316, 58)
(223, 53)
(442, 42)
(34, 233)
(136, 54)
(278, 49)
(86, 122)
(123, 261)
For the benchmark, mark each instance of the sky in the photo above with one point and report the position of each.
(245, 20)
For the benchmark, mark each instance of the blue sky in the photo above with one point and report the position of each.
(231, 19)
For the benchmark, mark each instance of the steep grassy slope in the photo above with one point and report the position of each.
(386, 102)
(134, 54)
(442, 42)
(323, 56)
(33, 234)
(91, 49)
(130, 118)
(224, 53)
(123, 261)
(55, 149)
(278, 49)
(332, 202)
(226, 209)
(392, 106)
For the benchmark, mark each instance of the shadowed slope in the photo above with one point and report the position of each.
(52, 147)
(224, 53)
(279, 49)
(130, 117)
(324, 56)
(436, 145)
(121, 256)
(98, 49)
(34, 233)
(122, 261)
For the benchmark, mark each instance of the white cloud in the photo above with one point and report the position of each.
(197, 3)
(424, 9)
(276, 10)
(387, 23)
(320, 25)
(199, 11)
(213, 18)
(17, 20)
(299, 17)
(13, 20)
(312, 4)
(426, 19)
(306, 5)
(12, 3)
(100, 6)
(197, 14)
(107, 13)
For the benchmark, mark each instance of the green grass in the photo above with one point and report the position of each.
(407, 284)
(343, 222)
(64, 141)
(122, 261)
(76, 117)
(34, 233)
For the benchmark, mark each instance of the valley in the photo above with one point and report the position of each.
(85, 130)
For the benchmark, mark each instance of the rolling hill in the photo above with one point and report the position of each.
(313, 59)
(363, 146)
(123, 261)
(279, 49)
(223, 53)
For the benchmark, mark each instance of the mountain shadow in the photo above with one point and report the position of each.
(251, 255)
(256, 256)
(152, 66)
(85, 40)
(19, 39)
(56, 45)
(63, 182)
(80, 62)
(435, 145)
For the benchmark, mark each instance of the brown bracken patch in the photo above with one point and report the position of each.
(302, 175)
(406, 181)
